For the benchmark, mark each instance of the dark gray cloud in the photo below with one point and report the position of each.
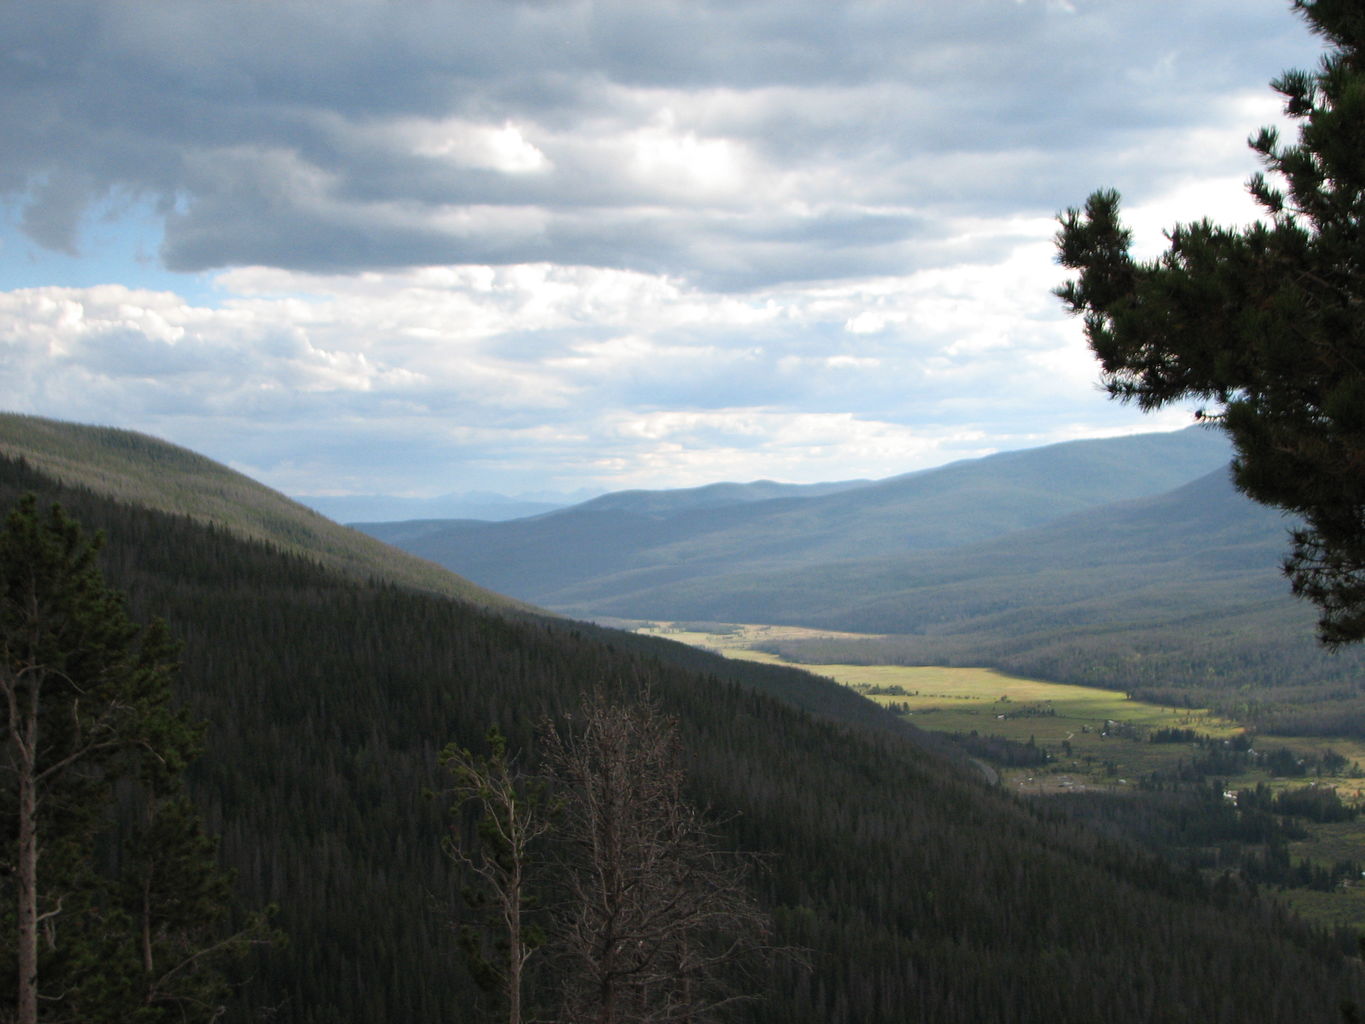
(734, 144)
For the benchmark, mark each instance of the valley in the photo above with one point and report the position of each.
(1057, 740)
(1129, 564)
(329, 671)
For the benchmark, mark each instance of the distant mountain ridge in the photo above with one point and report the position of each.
(403, 532)
(713, 496)
(588, 556)
(1130, 563)
(488, 505)
(1170, 556)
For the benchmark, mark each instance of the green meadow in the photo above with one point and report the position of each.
(1098, 739)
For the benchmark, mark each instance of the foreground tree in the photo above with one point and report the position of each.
(1267, 324)
(648, 921)
(110, 916)
(512, 817)
(655, 918)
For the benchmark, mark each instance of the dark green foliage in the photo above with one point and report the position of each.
(1189, 816)
(1316, 803)
(108, 919)
(921, 894)
(1264, 323)
(1002, 751)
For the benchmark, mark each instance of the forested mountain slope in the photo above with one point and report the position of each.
(148, 471)
(620, 543)
(1199, 548)
(920, 893)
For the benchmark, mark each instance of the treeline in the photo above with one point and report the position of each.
(1241, 841)
(1237, 755)
(919, 893)
(999, 750)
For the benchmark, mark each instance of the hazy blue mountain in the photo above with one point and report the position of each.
(486, 505)
(1198, 549)
(638, 541)
(1177, 597)
(404, 532)
(713, 496)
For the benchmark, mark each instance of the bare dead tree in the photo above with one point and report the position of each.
(654, 915)
(512, 817)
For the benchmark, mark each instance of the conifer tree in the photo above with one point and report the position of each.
(1265, 324)
(104, 919)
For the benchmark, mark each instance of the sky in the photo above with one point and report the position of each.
(416, 247)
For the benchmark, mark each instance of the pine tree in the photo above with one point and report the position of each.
(107, 919)
(1266, 324)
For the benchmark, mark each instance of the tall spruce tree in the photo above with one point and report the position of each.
(1266, 323)
(109, 916)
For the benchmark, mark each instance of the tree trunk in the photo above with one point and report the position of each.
(515, 954)
(27, 908)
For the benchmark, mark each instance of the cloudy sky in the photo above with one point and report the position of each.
(420, 246)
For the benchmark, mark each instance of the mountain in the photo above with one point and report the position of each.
(404, 533)
(146, 471)
(917, 891)
(711, 496)
(1141, 563)
(349, 508)
(631, 542)
(376, 510)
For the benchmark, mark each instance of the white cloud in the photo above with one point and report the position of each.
(511, 376)
(503, 148)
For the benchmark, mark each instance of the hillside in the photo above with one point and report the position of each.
(626, 543)
(146, 471)
(919, 893)
(1199, 548)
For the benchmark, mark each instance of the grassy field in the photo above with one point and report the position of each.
(1099, 739)
(1106, 732)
